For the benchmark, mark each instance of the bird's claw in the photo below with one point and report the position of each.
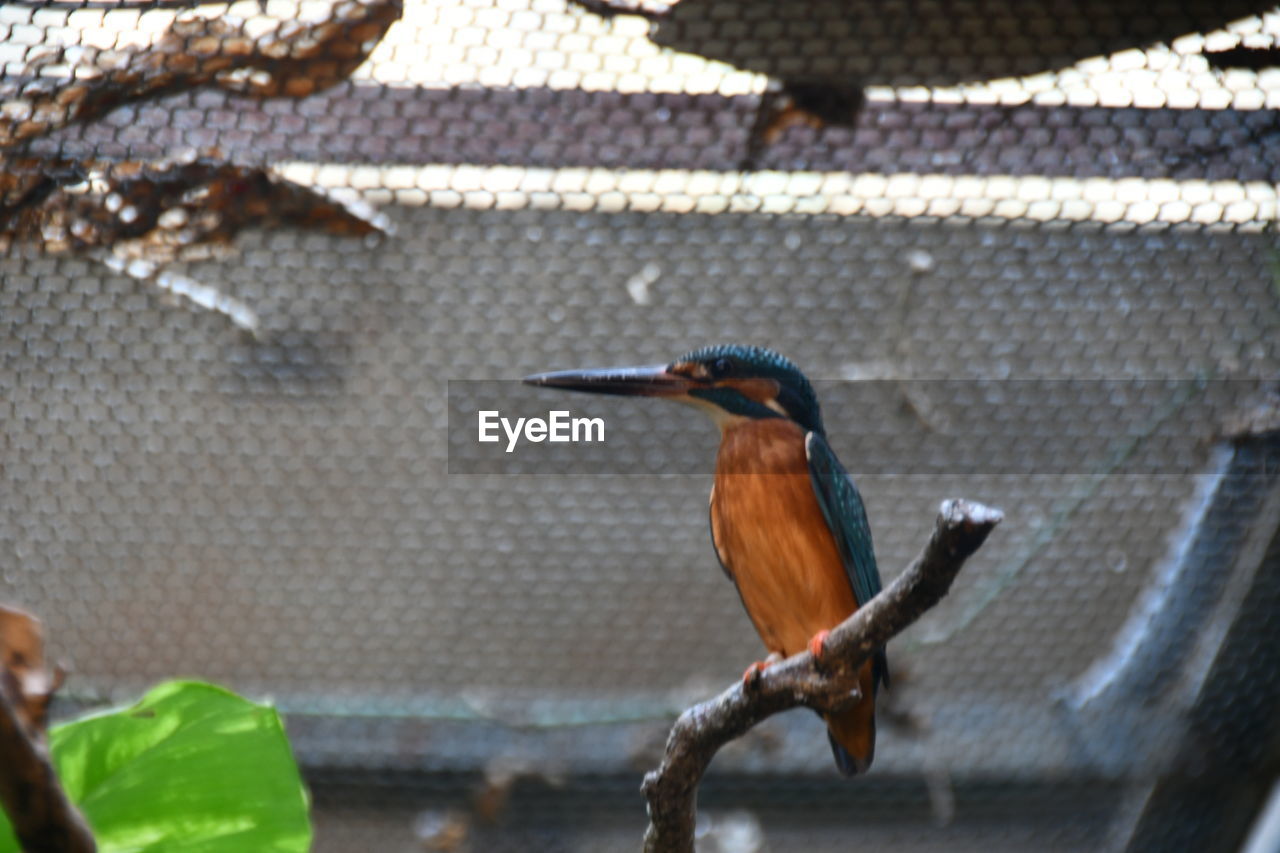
(751, 677)
(817, 645)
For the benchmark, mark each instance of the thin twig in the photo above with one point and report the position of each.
(700, 731)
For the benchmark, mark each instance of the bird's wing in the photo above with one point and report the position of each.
(847, 519)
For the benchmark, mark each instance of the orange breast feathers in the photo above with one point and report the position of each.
(772, 537)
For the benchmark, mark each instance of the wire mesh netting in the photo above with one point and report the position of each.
(258, 255)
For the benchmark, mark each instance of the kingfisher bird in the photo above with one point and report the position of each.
(787, 522)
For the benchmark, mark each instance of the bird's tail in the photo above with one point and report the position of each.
(853, 732)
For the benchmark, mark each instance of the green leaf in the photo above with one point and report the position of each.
(191, 768)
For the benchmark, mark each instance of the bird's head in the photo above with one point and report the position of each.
(730, 382)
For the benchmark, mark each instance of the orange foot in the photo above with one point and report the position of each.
(816, 644)
(752, 674)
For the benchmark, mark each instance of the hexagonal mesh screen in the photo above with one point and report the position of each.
(1027, 247)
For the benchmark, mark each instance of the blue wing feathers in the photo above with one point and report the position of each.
(847, 519)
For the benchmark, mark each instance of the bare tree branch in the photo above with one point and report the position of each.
(43, 819)
(672, 789)
(295, 59)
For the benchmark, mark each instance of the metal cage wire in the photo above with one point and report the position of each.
(1030, 245)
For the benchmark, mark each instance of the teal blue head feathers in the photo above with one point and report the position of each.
(751, 382)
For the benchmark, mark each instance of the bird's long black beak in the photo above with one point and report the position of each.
(651, 381)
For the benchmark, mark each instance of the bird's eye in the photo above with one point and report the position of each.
(721, 367)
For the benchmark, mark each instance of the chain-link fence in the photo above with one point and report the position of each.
(1030, 243)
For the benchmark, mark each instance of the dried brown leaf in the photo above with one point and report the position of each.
(27, 684)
